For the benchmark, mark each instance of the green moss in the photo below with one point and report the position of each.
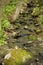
(3, 37)
(7, 10)
(38, 31)
(2, 42)
(13, 2)
(10, 7)
(32, 37)
(41, 19)
(5, 23)
(18, 57)
(2, 34)
(36, 11)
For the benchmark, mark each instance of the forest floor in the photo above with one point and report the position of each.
(27, 32)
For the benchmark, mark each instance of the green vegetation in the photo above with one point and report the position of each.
(17, 57)
(36, 11)
(10, 7)
(5, 23)
(32, 37)
(41, 19)
(38, 30)
(8, 10)
(3, 37)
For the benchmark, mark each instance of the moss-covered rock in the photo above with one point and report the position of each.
(17, 56)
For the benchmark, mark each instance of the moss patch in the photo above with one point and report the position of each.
(3, 37)
(5, 23)
(32, 37)
(41, 19)
(18, 57)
